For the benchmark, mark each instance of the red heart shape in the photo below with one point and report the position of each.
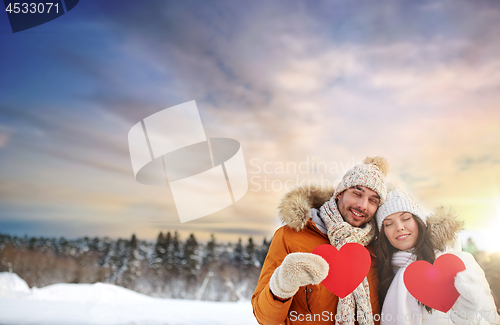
(348, 267)
(434, 284)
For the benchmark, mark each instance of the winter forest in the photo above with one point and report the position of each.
(171, 267)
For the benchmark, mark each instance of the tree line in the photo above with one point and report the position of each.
(169, 267)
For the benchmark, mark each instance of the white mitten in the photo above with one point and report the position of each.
(296, 270)
(469, 284)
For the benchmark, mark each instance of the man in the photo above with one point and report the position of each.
(288, 290)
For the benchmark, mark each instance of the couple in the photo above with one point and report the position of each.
(288, 290)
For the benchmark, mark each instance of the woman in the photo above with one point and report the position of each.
(406, 235)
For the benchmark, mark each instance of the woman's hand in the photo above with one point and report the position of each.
(473, 288)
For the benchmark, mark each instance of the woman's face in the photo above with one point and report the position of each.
(401, 229)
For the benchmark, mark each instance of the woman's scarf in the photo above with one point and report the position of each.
(400, 307)
(341, 232)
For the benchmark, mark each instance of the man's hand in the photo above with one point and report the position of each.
(296, 270)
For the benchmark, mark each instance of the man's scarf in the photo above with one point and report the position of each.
(341, 232)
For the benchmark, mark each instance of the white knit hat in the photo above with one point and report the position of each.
(371, 173)
(397, 201)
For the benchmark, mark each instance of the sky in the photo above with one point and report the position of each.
(318, 85)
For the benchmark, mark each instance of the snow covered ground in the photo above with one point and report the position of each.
(108, 304)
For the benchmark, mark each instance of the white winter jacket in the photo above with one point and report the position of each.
(401, 308)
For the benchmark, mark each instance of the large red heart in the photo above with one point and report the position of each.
(348, 267)
(434, 284)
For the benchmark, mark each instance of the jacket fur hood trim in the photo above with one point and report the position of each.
(294, 210)
(295, 206)
(443, 226)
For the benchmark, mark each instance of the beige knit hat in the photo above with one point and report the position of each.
(398, 201)
(371, 173)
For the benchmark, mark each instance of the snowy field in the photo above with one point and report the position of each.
(108, 304)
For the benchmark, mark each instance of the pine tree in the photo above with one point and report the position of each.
(470, 247)
(238, 253)
(32, 244)
(159, 252)
(167, 249)
(250, 253)
(118, 260)
(210, 253)
(131, 268)
(105, 252)
(174, 256)
(94, 244)
(262, 252)
(190, 258)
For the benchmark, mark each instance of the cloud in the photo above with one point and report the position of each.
(415, 82)
(5, 134)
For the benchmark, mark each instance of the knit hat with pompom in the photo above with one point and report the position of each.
(371, 174)
(398, 201)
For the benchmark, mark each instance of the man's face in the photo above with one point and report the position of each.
(358, 204)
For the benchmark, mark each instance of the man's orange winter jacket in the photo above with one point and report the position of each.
(312, 304)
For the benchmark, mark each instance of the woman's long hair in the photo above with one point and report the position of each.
(385, 251)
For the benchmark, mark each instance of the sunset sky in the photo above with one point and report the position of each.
(297, 83)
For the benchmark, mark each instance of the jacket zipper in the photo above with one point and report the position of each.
(307, 300)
